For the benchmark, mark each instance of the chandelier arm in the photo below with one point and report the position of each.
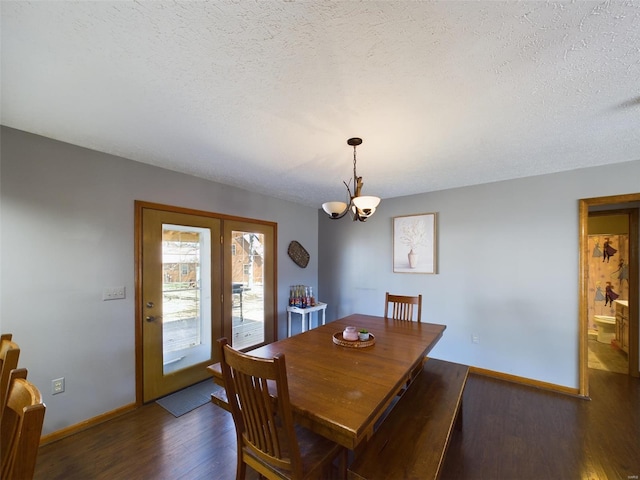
(348, 190)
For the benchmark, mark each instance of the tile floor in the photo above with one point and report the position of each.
(603, 356)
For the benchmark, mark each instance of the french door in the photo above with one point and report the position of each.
(201, 276)
(250, 315)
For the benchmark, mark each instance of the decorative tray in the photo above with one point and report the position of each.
(338, 340)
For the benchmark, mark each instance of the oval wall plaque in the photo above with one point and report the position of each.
(298, 254)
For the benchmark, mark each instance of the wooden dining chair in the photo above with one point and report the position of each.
(268, 440)
(20, 428)
(9, 353)
(402, 307)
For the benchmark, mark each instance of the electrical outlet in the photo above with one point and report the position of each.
(57, 386)
(475, 338)
(113, 293)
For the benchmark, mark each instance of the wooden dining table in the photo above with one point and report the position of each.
(340, 392)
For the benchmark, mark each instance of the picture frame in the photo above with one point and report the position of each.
(414, 243)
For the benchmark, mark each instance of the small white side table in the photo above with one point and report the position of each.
(303, 312)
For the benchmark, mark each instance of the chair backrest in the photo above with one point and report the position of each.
(9, 353)
(20, 427)
(402, 307)
(258, 395)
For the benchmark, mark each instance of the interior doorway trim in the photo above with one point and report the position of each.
(584, 205)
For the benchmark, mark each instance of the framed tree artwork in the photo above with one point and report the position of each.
(414, 243)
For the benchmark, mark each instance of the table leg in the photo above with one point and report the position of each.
(303, 319)
(288, 324)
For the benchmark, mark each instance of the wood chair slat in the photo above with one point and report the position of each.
(403, 307)
(20, 427)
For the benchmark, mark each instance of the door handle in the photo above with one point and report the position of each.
(151, 319)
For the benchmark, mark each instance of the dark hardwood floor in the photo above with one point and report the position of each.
(518, 432)
(510, 432)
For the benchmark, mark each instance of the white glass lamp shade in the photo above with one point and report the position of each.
(334, 209)
(366, 204)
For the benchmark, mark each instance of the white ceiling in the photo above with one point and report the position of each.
(263, 95)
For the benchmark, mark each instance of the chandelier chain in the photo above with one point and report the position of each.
(354, 162)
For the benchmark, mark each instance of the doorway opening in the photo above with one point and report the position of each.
(608, 290)
(606, 283)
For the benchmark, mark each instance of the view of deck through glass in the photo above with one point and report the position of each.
(247, 252)
(186, 296)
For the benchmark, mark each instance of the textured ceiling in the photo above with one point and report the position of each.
(263, 95)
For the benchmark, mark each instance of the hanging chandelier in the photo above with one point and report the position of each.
(361, 207)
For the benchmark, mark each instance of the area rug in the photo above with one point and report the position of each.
(189, 398)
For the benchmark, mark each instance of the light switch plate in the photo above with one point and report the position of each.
(57, 385)
(114, 293)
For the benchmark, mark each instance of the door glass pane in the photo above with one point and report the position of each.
(186, 297)
(247, 289)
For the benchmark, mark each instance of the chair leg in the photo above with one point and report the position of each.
(342, 465)
(241, 469)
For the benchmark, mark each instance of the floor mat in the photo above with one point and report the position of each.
(189, 398)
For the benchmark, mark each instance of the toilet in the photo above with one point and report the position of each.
(606, 328)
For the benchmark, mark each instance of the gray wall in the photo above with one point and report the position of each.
(67, 232)
(508, 268)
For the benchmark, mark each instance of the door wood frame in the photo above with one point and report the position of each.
(138, 249)
(583, 214)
